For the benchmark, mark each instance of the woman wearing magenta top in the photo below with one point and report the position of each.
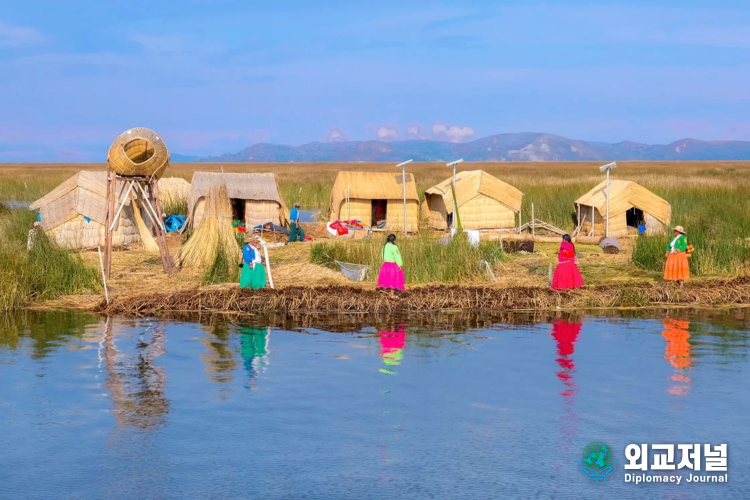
(567, 274)
(391, 273)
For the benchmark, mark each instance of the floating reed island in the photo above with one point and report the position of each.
(709, 199)
(350, 299)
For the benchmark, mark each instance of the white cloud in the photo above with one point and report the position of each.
(414, 132)
(18, 36)
(386, 133)
(452, 133)
(336, 135)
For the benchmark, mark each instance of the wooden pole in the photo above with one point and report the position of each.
(403, 184)
(606, 230)
(593, 219)
(161, 233)
(111, 195)
(550, 274)
(532, 220)
(268, 266)
(520, 216)
(104, 278)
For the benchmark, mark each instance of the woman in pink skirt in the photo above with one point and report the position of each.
(567, 274)
(391, 273)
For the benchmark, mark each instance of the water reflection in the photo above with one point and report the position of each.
(566, 332)
(219, 358)
(254, 352)
(461, 416)
(677, 354)
(136, 382)
(391, 349)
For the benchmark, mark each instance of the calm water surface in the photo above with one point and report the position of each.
(121, 408)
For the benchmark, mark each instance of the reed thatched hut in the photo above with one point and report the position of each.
(73, 214)
(374, 196)
(255, 197)
(629, 203)
(484, 202)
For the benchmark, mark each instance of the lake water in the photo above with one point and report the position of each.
(138, 408)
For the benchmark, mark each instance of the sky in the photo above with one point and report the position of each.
(215, 76)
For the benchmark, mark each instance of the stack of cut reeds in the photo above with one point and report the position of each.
(213, 235)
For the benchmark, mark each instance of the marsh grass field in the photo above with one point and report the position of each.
(710, 199)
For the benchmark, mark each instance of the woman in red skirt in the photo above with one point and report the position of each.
(567, 274)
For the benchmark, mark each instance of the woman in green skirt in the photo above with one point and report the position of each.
(252, 275)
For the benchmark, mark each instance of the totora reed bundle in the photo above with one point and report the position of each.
(147, 239)
(213, 236)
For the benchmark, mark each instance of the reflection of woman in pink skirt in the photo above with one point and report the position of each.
(391, 273)
(567, 274)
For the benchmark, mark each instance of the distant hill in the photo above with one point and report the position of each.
(178, 158)
(502, 147)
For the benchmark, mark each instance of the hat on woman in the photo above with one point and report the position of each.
(679, 229)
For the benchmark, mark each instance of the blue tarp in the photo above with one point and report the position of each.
(174, 223)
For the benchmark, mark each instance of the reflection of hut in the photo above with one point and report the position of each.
(372, 197)
(629, 203)
(484, 202)
(73, 214)
(255, 197)
(135, 381)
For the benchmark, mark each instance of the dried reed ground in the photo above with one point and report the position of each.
(431, 298)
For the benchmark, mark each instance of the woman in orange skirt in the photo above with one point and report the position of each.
(677, 268)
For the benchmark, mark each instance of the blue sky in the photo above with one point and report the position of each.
(214, 76)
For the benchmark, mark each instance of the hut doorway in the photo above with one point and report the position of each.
(379, 212)
(633, 217)
(238, 209)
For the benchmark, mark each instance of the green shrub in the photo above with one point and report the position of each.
(45, 272)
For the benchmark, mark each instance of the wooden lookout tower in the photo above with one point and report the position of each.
(136, 161)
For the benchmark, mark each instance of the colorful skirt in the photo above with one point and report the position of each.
(253, 277)
(567, 276)
(677, 267)
(391, 276)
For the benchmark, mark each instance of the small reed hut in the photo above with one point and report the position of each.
(373, 196)
(255, 198)
(629, 203)
(73, 214)
(484, 202)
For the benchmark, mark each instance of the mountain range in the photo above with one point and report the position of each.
(501, 147)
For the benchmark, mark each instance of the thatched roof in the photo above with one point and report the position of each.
(138, 152)
(624, 195)
(259, 187)
(83, 194)
(471, 183)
